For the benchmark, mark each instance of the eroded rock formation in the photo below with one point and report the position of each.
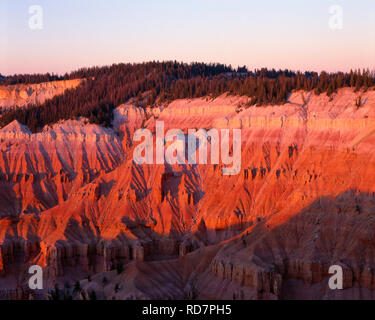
(73, 201)
(21, 95)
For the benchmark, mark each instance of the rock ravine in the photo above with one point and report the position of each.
(73, 201)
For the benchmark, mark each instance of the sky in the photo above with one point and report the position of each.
(287, 34)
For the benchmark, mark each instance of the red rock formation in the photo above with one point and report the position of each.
(20, 95)
(303, 201)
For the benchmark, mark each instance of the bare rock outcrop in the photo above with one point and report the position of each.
(21, 95)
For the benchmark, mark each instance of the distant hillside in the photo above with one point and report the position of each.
(30, 78)
(22, 95)
(154, 83)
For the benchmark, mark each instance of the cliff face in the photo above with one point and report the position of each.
(74, 202)
(39, 171)
(20, 95)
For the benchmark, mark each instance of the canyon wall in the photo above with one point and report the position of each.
(74, 201)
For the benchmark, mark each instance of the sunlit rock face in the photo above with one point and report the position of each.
(39, 171)
(73, 201)
(21, 95)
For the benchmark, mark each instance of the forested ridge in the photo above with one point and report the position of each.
(154, 83)
(30, 78)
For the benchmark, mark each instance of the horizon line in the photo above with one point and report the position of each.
(371, 70)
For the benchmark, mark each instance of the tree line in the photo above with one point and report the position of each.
(154, 83)
(29, 78)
